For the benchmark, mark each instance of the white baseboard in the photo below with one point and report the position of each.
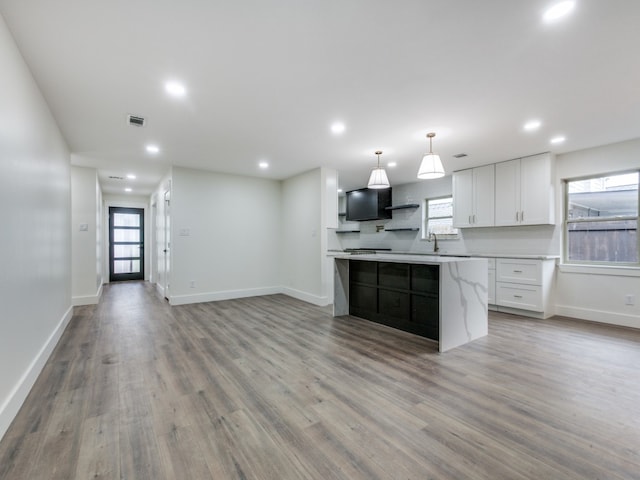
(160, 289)
(223, 295)
(87, 299)
(306, 297)
(9, 409)
(251, 292)
(599, 316)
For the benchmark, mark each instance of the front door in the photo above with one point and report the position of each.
(126, 244)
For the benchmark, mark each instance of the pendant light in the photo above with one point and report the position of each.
(378, 178)
(431, 166)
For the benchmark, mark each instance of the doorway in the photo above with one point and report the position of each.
(126, 244)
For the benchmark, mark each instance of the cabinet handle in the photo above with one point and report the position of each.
(470, 222)
(517, 271)
(517, 217)
(522, 216)
(517, 296)
(474, 219)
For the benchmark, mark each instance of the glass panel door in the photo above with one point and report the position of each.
(126, 244)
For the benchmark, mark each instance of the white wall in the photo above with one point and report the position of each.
(301, 237)
(598, 294)
(35, 244)
(225, 232)
(86, 245)
(509, 240)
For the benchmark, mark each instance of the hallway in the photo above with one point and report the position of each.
(275, 388)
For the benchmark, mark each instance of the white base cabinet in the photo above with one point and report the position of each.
(525, 286)
(492, 281)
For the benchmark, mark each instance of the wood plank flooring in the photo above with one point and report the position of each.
(274, 388)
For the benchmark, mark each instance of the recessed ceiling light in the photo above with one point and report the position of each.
(392, 164)
(559, 10)
(263, 165)
(131, 176)
(339, 190)
(153, 148)
(532, 125)
(176, 89)
(558, 139)
(127, 189)
(338, 128)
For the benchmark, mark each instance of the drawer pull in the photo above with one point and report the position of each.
(517, 271)
(517, 296)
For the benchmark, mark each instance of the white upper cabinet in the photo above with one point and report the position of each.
(473, 197)
(524, 191)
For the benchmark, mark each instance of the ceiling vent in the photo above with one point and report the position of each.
(136, 121)
(460, 155)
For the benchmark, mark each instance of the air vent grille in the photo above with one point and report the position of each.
(460, 155)
(136, 120)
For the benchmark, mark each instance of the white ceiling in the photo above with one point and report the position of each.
(267, 78)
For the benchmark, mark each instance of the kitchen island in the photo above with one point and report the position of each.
(441, 298)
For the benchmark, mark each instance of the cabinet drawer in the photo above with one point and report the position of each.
(528, 272)
(526, 297)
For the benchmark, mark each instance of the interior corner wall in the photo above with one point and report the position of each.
(86, 228)
(301, 245)
(225, 234)
(35, 245)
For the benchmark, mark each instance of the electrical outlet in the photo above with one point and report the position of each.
(192, 284)
(630, 299)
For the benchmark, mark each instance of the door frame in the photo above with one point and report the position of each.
(113, 277)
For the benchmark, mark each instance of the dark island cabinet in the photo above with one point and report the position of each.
(400, 295)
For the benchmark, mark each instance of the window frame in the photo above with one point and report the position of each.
(426, 218)
(566, 222)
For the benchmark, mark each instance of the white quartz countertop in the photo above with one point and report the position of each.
(404, 258)
(457, 256)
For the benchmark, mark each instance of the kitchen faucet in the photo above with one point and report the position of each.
(435, 241)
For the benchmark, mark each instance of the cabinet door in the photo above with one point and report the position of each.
(536, 190)
(463, 198)
(507, 206)
(483, 196)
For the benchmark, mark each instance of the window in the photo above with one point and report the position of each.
(601, 220)
(438, 218)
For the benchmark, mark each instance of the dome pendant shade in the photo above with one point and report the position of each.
(431, 165)
(378, 177)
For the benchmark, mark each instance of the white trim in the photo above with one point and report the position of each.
(87, 299)
(320, 301)
(600, 270)
(160, 290)
(600, 316)
(222, 295)
(9, 409)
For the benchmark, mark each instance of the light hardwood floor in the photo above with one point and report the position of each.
(274, 388)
